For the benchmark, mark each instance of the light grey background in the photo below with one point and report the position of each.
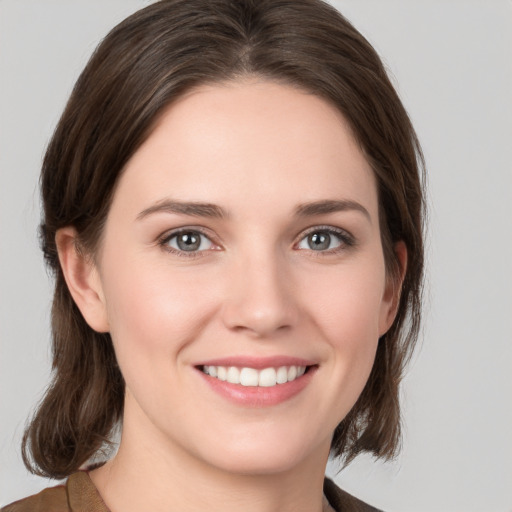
(452, 64)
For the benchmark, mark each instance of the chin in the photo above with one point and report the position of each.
(260, 464)
(265, 455)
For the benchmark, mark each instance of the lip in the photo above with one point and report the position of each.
(257, 396)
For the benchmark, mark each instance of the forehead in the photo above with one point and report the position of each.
(249, 140)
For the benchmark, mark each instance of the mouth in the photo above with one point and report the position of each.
(251, 377)
(257, 381)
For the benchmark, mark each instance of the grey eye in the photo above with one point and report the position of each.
(321, 240)
(190, 241)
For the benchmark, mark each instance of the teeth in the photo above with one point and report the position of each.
(292, 373)
(266, 377)
(282, 375)
(221, 372)
(248, 377)
(233, 375)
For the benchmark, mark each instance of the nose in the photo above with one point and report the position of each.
(260, 299)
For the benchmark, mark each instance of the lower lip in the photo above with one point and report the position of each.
(256, 396)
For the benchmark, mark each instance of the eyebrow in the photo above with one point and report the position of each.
(330, 206)
(196, 209)
(193, 209)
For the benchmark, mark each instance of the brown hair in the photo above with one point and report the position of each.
(145, 63)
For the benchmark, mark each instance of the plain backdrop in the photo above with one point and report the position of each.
(452, 64)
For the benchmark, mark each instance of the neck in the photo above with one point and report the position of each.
(150, 473)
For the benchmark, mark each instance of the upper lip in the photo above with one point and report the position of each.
(257, 363)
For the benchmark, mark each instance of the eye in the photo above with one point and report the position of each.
(325, 240)
(187, 241)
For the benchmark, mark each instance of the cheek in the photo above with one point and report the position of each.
(154, 314)
(348, 303)
(347, 313)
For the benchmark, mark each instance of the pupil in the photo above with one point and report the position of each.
(319, 241)
(189, 241)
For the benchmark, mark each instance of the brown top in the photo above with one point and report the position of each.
(80, 495)
(77, 495)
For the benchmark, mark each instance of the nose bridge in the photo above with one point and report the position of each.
(260, 295)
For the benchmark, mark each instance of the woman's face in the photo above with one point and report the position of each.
(243, 243)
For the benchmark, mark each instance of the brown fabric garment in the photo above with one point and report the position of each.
(53, 499)
(342, 501)
(80, 495)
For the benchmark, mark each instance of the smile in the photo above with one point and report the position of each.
(265, 377)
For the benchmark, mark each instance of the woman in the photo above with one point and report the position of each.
(233, 212)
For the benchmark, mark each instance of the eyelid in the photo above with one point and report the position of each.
(163, 241)
(348, 240)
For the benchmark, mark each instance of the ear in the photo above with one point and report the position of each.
(83, 279)
(393, 290)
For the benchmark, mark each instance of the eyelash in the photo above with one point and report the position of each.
(346, 241)
(166, 238)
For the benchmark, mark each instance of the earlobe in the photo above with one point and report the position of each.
(393, 290)
(82, 279)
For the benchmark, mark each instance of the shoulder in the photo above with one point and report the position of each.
(341, 500)
(52, 499)
(78, 494)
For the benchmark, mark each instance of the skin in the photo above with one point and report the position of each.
(255, 288)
